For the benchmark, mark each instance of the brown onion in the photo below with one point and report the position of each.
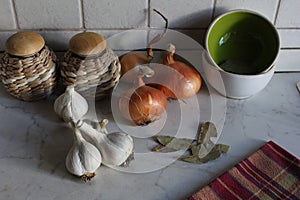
(146, 105)
(132, 59)
(143, 104)
(175, 86)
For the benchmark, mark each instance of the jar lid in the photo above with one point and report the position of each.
(24, 43)
(87, 44)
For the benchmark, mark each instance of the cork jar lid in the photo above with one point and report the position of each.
(25, 43)
(87, 44)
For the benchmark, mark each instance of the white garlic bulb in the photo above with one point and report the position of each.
(70, 105)
(83, 158)
(116, 148)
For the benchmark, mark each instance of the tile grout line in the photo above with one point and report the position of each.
(276, 12)
(109, 29)
(44, 30)
(148, 14)
(214, 3)
(290, 48)
(117, 29)
(288, 28)
(82, 15)
(148, 21)
(213, 11)
(15, 14)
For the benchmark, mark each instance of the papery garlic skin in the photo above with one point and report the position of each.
(70, 105)
(83, 159)
(116, 148)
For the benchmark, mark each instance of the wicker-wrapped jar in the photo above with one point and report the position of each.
(90, 65)
(28, 67)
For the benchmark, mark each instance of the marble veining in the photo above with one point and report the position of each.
(34, 143)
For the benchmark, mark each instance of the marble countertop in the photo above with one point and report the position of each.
(34, 143)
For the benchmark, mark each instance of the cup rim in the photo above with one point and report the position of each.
(267, 69)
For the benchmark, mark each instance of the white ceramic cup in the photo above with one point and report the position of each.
(230, 83)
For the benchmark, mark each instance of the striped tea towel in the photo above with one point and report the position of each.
(270, 173)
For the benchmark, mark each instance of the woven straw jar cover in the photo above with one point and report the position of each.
(90, 65)
(27, 68)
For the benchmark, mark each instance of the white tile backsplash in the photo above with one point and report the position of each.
(3, 37)
(182, 14)
(124, 39)
(198, 35)
(125, 23)
(182, 39)
(58, 40)
(288, 14)
(45, 14)
(289, 38)
(264, 7)
(7, 17)
(288, 60)
(115, 14)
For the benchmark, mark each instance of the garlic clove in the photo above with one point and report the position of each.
(125, 144)
(83, 159)
(70, 105)
(116, 148)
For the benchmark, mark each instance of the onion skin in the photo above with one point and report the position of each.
(146, 105)
(132, 59)
(175, 86)
(167, 91)
(142, 104)
(190, 84)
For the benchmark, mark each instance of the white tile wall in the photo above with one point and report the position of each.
(58, 40)
(125, 39)
(7, 17)
(182, 14)
(183, 39)
(198, 35)
(59, 20)
(288, 14)
(3, 37)
(289, 60)
(115, 14)
(264, 7)
(289, 38)
(54, 14)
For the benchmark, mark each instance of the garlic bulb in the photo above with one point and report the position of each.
(70, 105)
(116, 148)
(83, 158)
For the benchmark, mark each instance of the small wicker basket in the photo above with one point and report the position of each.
(91, 66)
(28, 67)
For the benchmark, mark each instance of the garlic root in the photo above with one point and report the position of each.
(88, 176)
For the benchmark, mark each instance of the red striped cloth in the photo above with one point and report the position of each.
(270, 173)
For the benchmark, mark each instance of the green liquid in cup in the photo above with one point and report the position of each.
(247, 60)
(243, 43)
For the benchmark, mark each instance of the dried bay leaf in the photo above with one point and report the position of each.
(191, 159)
(201, 150)
(215, 153)
(162, 139)
(174, 143)
(206, 131)
(163, 149)
(224, 148)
